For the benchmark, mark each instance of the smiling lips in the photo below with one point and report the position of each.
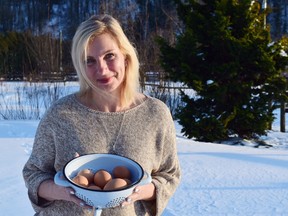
(105, 80)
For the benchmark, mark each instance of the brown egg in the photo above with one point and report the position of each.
(128, 181)
(101, 178)
(88, 174)
(94, 187)
(116, 183)
(81, 180)
(121, 172)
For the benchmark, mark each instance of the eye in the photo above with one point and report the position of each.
(109, 56)
(90, 61)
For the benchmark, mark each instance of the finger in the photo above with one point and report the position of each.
(76, 154)
(78, 201)
(136, 190)
(126, 203)
(132, 198)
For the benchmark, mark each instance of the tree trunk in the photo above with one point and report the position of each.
(282, 117)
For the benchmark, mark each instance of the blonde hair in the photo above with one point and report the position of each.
(93, 27)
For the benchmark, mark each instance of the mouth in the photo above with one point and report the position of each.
(106, 80)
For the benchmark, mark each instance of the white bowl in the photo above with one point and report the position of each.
(98, 198)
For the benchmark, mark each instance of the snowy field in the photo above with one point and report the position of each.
(217, 179)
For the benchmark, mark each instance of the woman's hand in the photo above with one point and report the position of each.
(145, 192)
(48, 190)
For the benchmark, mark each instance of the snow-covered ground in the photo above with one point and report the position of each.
(217, 179)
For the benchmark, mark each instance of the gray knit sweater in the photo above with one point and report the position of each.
(144, 133)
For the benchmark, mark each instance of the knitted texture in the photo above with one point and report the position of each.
(144, 133)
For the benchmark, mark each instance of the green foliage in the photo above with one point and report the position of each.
(225, 54)
(47, 23)
(24, 56)
(12, 55)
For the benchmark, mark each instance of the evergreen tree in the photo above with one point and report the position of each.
(225, 54)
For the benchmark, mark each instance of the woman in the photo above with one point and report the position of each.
(107, 115)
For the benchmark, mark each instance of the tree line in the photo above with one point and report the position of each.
(219, 48)
(36, 35)
(27, 26)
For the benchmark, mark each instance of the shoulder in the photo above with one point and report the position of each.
(66, 101)
(153, 108)
(158, 116)
(60, 106)
(157, 105)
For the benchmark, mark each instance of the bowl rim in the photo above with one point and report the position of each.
(104, 154)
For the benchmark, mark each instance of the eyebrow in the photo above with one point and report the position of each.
(110, 50)
(104, 53)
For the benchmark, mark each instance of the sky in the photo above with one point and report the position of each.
(217, 179)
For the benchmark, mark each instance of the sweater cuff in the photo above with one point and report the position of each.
(160, 200)
(37, 202)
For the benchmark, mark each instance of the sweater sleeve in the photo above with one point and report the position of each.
(39, 166)
(167, 177)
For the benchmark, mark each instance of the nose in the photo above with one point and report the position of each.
(101, 67)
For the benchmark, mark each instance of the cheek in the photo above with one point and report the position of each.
(90, 72)
(118, 67)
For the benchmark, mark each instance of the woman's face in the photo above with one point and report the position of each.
(105, 63)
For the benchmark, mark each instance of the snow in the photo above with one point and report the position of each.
(217, 179)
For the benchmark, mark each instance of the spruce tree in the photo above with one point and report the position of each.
(226, 55)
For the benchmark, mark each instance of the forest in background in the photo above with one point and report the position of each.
(35, 42)
(35, 35)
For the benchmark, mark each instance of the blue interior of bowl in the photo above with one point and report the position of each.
(108, 162)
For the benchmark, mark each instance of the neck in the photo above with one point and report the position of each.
(107, 102)
(101, 102)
